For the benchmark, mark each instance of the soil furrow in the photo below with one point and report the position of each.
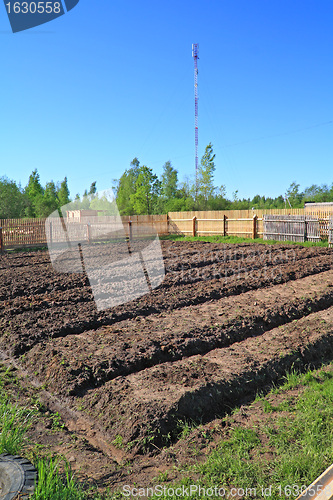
(65, 317)
(203, 387)
(129, 346)
(225, 261)
(75, 421)
(227, 321)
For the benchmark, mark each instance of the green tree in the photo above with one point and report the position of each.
(12, 200)
(147, 190)
(205, 184)
(294, 195)
(126, 188)
(104, 203)
(186, 193)
(63, 193)
(34, 192)
(76, 203)
(169, 192)
(48, 203)
(278, 202)
(92, 190)
(219, 201)
(169, 182)
(312, 193)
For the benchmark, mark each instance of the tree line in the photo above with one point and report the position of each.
(32, 201)
(140, 191)
(37, 201)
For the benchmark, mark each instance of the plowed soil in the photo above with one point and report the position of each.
(226, 323)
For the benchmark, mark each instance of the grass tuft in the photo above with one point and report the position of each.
(14, 421)
(54, 484)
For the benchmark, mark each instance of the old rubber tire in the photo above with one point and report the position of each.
(17, 477)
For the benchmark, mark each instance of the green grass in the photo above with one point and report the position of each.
(208, 239)
(298, 438)
(54, 484)
(14, 421)
(284, 452)
(55, 479)
(238, 240)
(27, 248)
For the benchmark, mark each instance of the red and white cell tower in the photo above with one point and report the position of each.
(195, 55)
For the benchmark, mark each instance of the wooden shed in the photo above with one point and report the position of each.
(312, 206)
(80, 215)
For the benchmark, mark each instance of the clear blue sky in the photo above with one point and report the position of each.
(84, 94)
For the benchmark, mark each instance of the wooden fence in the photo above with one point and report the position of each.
(245, 223)
(225, 226)
(16, 233)
(295, 228)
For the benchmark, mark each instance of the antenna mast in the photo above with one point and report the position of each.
(195, 55)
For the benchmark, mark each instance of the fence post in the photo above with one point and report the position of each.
(168, 224)
(1, 241)
(51, 233)
(254, 227)
(224, 225)
(88, 232)
(305, 230)
(194, 226)
(330, 233)
(130, 230)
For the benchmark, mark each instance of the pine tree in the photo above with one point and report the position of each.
(47, 203)
(34, 192)
(92, 190)
(63, 193)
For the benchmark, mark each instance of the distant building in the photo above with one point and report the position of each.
(325, 206)
(80, 215)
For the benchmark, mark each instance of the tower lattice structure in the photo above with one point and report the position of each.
(195, 55)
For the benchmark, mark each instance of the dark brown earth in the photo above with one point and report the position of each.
(226, 323)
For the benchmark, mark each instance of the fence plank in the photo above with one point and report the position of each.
(18, 233)
(295, 228)
(292, 224)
